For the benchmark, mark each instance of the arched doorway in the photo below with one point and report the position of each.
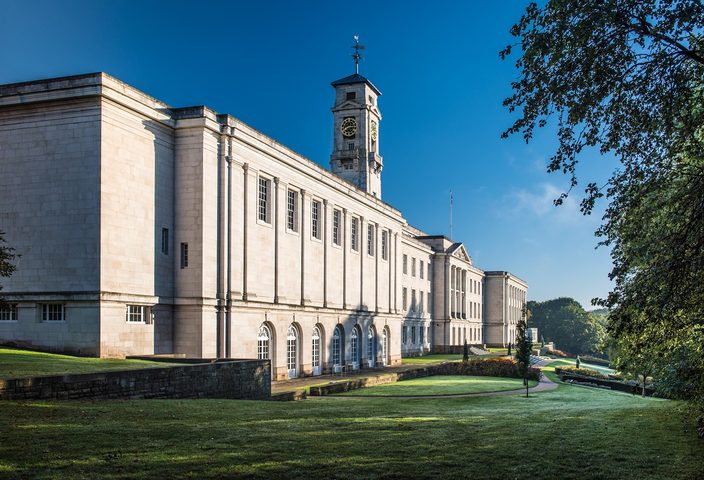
(315, 350)
(371, 346)
(338, 355)
(264, 343)
(292, 351)
(385, 342)
(355, 347)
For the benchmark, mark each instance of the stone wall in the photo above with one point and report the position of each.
(236, 379)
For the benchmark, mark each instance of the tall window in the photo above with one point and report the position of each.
(371, 346)
(336, 236)
(264, 191)
(405, 264)
(422, 267)
(184, 255)
(355, 234)
(263, 343)
(413, 300)
(370, 239)
(315, 350)
(8, 312)
(429, 269)
(430, 304)
(421, 331)
(404, 298)
(420, 304)
(354, 345)
(337, 346)
(315, 219)
(413, 267)
(292, 210)
(165, 241)
(291, 350)
(413, 334)
(404, 334)
(384, 245)
(53, 312)
(137, 314)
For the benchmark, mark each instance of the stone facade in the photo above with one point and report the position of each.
(147, 229)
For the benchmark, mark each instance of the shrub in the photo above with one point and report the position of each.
(596, 360)
(585, 372)
(491, 367)
(557, 353)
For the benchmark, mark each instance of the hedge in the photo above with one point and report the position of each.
(490, 367)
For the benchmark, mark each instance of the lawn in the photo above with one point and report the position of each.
(571, 432)
(25, 363)
(441, 385)
(432, 358)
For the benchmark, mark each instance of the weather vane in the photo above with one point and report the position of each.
(356, 55)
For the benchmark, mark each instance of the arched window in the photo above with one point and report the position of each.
(315, 350)
(264, 343)
(292, 351)
(371, 346)
(337, 346)
(385, 341)
(354, 347)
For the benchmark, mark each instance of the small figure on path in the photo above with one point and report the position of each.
(578, 363)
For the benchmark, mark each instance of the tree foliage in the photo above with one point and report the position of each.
(7, 255)
(565, 322)
(524, 346)
(627, 77)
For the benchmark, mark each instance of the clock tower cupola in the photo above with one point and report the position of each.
(355, 152)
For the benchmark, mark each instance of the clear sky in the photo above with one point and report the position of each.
(270, 64)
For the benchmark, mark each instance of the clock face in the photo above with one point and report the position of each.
(374, 132)
(348, 127)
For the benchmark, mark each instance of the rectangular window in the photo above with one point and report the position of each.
(404, 298)
(137, 314)
(8, 312)
(414, 305)
(420, 304)
(384, 245)
(350, 146)
(292, 210)
(165, 241)
(413, 267)
(53, 312)
(351, 95)
(336, 237)
(430, 304)
(421, 331)
(404, 336)
(264, 191)
(354, 230)
(405, 264)
(184, 255)
(315, 219)
(421, 271)
(413, 334)
(370, 239)
(429, 269)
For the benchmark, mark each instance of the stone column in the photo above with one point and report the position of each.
(245, 167)
(395, 272)
(303, 247)
(276, 239)
(344, 258)
(389, 256)
(362, 235)
(325, 253)
(376, 267)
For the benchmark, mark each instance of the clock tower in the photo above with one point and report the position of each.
(355, 152)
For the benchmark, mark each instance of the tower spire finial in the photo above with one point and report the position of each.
(356, 55)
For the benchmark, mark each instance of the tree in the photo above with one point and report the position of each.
(7, 255)
(565, 322)
(523, 347)
(627, 77)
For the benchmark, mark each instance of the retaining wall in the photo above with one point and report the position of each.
(240, 379)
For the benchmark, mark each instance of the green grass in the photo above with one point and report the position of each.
(432, 358)
(24, 363)
(441, 385)
(568, 433)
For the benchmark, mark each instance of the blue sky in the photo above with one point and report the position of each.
(270, 65)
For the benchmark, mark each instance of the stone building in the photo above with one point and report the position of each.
(149, 229)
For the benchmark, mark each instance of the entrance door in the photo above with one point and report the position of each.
(315, 351)
(292, 342)
(385, 347)
(371, 347)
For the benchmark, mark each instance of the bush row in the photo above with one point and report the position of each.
(604, 362)
(587, 372)
(490, 367)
